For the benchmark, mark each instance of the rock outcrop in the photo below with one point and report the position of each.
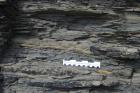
(36, 35)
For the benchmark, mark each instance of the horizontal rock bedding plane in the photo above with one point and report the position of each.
(36, 35)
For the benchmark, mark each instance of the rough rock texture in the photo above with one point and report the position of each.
(39, 34)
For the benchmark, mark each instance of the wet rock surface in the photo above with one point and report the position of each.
(44, 32)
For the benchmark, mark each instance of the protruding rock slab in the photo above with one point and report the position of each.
(116, 51)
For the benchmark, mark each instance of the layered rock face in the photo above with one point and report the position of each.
(5, 35)
(47, 31)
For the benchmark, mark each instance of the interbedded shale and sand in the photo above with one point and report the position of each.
(36, 35)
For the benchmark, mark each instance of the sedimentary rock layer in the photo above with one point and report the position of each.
(47, 31)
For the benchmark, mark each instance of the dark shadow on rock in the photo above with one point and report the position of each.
(6, 20)
(1, 82)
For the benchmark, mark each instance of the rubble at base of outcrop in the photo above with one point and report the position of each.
(43, 32)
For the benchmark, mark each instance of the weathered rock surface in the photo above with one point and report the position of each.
(116, 51)
(44, 32)
(63, 34)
